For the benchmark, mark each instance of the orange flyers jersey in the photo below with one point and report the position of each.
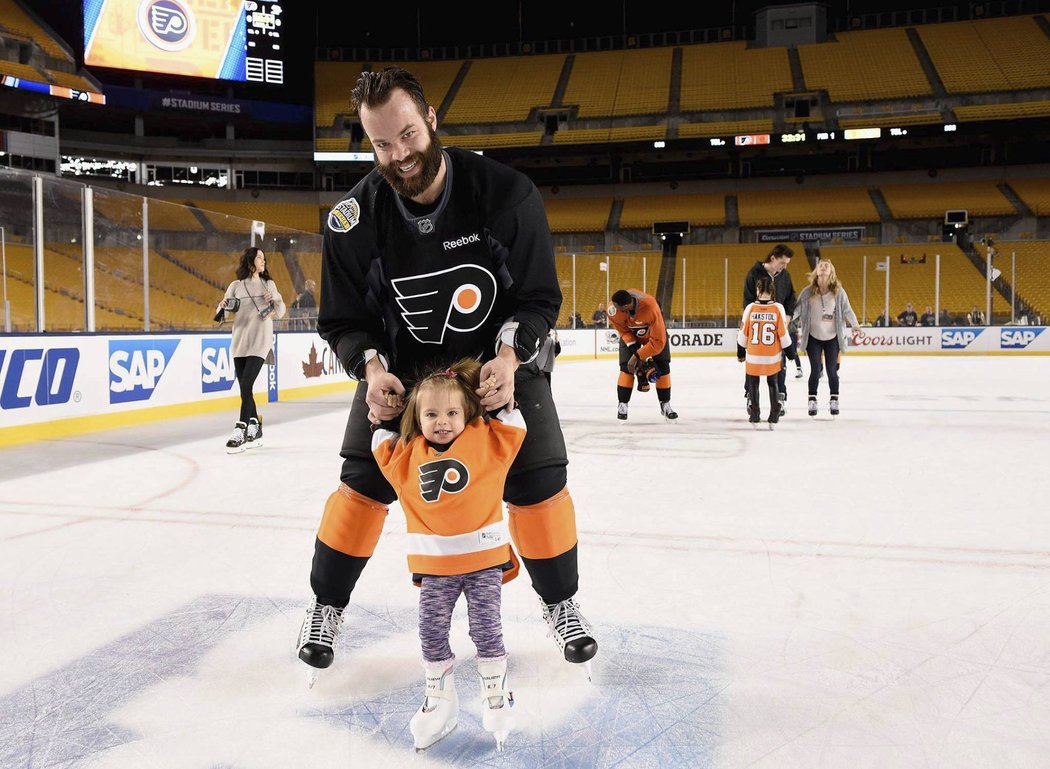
(763, 333)
(453, 499)
(645, 327)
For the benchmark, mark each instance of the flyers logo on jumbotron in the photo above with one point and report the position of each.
(167, 24)
(198, 38)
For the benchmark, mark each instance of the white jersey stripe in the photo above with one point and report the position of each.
(490, 536)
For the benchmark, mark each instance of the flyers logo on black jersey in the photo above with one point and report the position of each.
(457, 299)
(449, 475)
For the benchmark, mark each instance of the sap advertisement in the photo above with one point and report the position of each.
(44, 378)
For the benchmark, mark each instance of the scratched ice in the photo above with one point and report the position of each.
(865, 592)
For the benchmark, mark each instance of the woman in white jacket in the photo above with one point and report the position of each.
(823, 312)
(254, 301)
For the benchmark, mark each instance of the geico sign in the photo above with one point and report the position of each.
(43, 377)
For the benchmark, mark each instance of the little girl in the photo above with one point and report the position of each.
(448, 467)
(762, 340)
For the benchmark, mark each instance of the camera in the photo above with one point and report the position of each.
(266, 311)
(232, 304)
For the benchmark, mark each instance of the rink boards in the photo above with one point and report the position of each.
(54, 385)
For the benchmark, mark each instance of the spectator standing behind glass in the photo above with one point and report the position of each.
(908, 316)
(254, 301)
(946, 317)
(307, 299)
(928, 318)
(975, 317)
(599, 318)
(823, 312)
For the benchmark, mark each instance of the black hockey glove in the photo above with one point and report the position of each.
(527, 341)
(741, 353)
(650, 370)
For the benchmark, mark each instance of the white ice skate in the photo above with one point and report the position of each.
(235, 444)
(439, 713)
(317, 637)
(668, 413)
(571, 632)
(253, 434)
(834, 406)
(812, 407)
(497, 704)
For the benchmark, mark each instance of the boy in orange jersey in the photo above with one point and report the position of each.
(644, 351)
(448, 467)
(762, 341)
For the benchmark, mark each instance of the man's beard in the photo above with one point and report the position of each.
(430, 159)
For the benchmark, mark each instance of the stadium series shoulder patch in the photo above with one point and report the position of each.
(345, 216)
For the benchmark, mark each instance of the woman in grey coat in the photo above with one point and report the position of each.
(254, 301)
(823, 311)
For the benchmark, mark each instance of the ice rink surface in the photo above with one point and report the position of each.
(872, 591)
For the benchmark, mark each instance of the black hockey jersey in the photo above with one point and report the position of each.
(432, 288)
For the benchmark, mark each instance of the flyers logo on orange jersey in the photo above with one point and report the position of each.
(448, 475)
(457, 299)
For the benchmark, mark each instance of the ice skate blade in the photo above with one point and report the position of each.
(449, 728)
(501, 737)
(235, 449)
(588, 671)
(311, 677)
(254, 444)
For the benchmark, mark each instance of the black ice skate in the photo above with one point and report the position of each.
(621, 411)
(834, 406)
(571, 632)
(668, 412)
(317, 637)
(811, 409)
(783, 404)
(774, 414)
(754, 415)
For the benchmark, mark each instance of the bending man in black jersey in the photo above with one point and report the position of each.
(438, 254)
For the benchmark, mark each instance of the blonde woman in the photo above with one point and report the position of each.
(823, 312)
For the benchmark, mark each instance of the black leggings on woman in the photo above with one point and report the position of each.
(829, 348)
(247, 371)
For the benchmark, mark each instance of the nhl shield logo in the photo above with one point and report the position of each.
(425, 226)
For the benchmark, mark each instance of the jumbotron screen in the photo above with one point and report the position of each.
(218, 39)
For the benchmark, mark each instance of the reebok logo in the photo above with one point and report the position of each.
(466, 240)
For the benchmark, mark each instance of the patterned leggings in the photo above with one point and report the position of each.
(437, 599)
